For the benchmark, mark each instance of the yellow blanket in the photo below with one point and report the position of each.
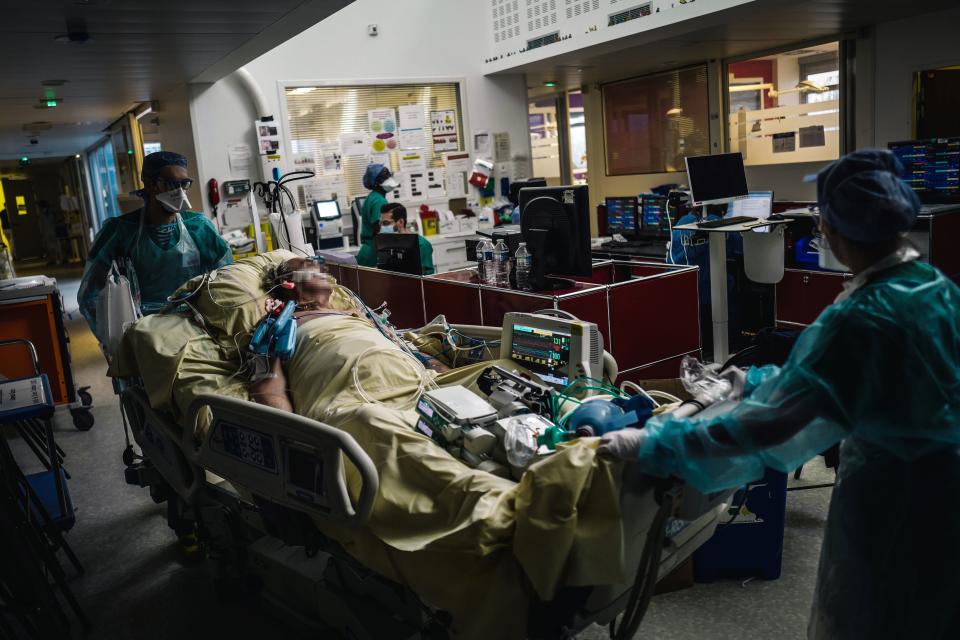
(478, 546)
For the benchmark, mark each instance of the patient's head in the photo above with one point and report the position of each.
(300, 280)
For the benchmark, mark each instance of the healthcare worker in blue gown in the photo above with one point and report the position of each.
(164, 242)
(879, 370)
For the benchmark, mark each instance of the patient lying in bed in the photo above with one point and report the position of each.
(336, 349)
(476, 545)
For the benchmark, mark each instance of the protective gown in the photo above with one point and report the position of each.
(162, 256)
(880, 370)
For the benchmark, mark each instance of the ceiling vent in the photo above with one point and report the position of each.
(542, 41)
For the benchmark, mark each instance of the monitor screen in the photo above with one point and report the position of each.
(757, 204)
(932, 168)
(326, 210)
(717, 178)
(622, 215)
(655, 214)
(555, 224)
(545, 352)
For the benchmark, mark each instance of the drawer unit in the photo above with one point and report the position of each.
(450, 252)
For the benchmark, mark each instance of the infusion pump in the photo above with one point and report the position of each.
(558, 350)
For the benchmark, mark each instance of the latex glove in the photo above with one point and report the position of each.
(737, 378)
(624, 444)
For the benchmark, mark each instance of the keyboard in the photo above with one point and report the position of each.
(726, 222)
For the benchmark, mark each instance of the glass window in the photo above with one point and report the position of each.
(103, 176)
(652, 123)
(578, 138)
(319, 116)
(785, 108)
(545, 139)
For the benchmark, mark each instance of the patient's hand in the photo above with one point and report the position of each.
(272, 391)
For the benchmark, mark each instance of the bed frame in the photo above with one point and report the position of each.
(266, 528)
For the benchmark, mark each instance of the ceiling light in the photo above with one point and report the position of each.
(77, 156)
(676, 111)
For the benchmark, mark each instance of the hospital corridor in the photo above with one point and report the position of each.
(472, 319)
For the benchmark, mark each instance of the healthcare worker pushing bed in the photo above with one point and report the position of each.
(166, 244)
(879, 370)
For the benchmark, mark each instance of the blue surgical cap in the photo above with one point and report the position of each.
(155, 162)
(862, 196)
(371, 174)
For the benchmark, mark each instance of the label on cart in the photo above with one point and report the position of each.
(19, 394)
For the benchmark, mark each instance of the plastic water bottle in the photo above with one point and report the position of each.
(501, 256)
(485, 262)
(523, 265)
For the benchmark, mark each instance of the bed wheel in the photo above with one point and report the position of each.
(85, 398)
(82, 418)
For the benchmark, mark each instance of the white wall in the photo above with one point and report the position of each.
(419, 40)
(902, 48)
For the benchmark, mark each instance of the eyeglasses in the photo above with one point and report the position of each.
(170, 184)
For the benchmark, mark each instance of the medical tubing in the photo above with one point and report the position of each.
(419, 369)
(639, 391)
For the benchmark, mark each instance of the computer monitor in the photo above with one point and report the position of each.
(558, 350)
(757, 204)
(326, 210)
(398, 252)
(716, 179)
(653, 218)
(932, 168)
(622, 216)
(555, 223)
(524, 184)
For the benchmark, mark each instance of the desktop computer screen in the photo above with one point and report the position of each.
(932, 168)
(757, 204)
(622, 216)
(654, 217)
(716, 179)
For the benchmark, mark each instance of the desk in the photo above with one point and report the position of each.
(718, 279)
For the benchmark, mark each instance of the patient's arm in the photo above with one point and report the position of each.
(273, 391)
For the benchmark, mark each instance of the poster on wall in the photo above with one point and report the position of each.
(382, 124)
(239, 160)
(415, 185)
(354, 144)
(304, 161)
(436, 184)
(412, 161)
(411, 127)
(501, 147)
(380, 158)
(268, 136)
(443, 127)
(331, 158)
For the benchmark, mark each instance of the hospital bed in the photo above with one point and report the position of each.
(257, 486)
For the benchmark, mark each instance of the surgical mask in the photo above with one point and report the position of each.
(389, 184)
(174, 200)
(388, 229)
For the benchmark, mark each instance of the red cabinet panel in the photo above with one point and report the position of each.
(401, 292)
(458, 302)
(803, 295)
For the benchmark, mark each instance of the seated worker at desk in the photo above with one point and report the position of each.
(164, 242)
(331, 343)
(393, 219)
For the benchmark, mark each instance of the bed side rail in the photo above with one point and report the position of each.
(153, 432)
(283, 457)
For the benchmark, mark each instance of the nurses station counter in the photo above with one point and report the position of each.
(804, 293)
(647, 313)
